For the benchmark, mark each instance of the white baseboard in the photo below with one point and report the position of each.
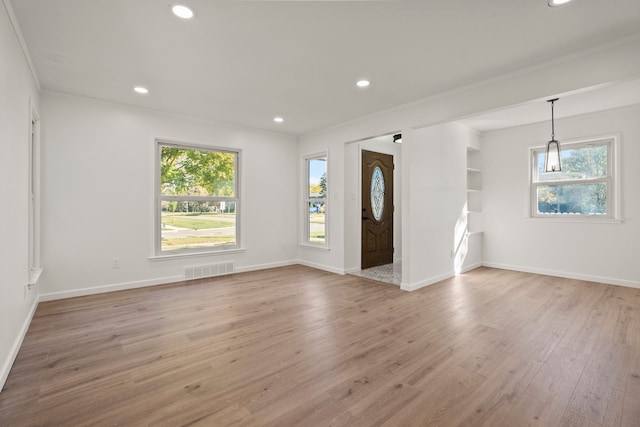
(321, 267)
(421, 284)
(109, 288)
(144, 283)
(15, 348)
(564, 274)
(266, 266)
(471, 267)
(434, 280)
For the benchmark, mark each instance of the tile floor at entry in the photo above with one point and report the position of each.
(388, 273)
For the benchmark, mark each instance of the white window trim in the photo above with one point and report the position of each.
(614, 205)
(164, 257)
(157, 253)
(33, 194)
(305, 201)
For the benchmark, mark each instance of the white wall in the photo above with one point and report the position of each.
(433, 200)
(592, 251)
(98, 192)
(18, 91)
(602, 64)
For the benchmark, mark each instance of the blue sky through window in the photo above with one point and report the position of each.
(317, 167)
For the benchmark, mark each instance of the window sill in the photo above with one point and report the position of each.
(582, 220)
(316, 247)
(34, 276)
(195, 254)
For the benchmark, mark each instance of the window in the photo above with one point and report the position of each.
(34, 200)
(315, 204)
(197, 199)
(584, 188)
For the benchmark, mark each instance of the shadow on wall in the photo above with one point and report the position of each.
(460, 240)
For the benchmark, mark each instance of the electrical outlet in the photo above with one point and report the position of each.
(115, 263)
(26, 291)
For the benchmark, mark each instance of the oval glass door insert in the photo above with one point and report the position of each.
(377, 193)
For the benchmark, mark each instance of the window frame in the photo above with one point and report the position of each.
(612, 179)
(33, 194)
(306, 199)
(159, 198)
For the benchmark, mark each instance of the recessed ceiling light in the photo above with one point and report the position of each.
(141, 90)
(182, 11)
(554, 3)
(363, 83)
(278, 119)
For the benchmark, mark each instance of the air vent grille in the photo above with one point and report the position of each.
(209, 270)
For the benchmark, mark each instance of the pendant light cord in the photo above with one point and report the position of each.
(553, 129)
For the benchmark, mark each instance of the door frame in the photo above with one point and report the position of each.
(353, 197)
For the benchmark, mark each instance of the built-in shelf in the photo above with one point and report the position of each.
(474, 192)
(474, 217)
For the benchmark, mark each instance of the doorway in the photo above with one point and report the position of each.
(377, 209)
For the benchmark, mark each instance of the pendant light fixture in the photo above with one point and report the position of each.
(552, 162)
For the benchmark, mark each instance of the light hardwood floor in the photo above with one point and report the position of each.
(298, 346)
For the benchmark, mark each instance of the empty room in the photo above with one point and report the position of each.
(320, 213)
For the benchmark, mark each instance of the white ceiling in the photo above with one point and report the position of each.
(244, 62)
(588, 100)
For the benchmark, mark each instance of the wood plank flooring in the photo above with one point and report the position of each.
(297, 346)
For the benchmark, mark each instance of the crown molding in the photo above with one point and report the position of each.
(8, 7)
